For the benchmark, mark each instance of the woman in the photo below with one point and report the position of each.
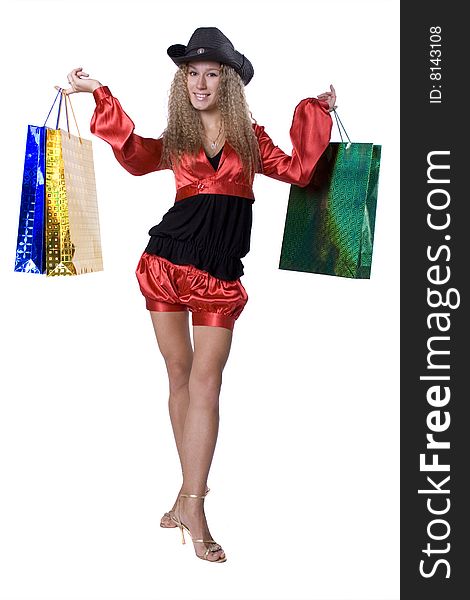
(193, 259)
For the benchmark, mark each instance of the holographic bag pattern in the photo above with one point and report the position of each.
(63, 238)
(30, 252)
(330, 223)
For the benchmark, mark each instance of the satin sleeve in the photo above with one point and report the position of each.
(310, 134)
(138, 155)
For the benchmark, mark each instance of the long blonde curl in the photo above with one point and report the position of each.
(184, 130)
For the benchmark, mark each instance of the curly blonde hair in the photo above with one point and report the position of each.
(184, 130)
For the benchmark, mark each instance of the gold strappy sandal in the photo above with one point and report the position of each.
(213, 547)
(170, 514)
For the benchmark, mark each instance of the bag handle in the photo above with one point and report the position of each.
(338, 123)
(58, 115)
(62, 95)
(67, 116)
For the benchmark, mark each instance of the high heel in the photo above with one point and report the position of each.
(169, 515)
(213, 547)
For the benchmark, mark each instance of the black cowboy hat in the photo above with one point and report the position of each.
(209, 43)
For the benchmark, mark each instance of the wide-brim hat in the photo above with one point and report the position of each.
(209, 43)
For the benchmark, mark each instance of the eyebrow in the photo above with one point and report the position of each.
(211, 69)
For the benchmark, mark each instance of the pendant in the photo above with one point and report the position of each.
(213, 145)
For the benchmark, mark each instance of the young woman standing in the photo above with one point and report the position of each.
(192, 262)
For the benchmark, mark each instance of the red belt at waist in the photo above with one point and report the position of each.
(213, 187)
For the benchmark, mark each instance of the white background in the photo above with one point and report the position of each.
(304, 483)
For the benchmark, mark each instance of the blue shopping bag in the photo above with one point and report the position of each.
(30, 245)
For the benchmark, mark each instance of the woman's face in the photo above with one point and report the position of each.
(203, 82)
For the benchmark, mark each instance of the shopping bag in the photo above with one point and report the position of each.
(71, 232)
(330, 223)
(30, 251)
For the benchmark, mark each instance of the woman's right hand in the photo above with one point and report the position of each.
(78, 84)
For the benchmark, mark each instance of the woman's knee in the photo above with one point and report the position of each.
(204, 385)
(179, 370)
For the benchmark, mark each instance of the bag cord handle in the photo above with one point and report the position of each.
(62, 95)
(67, 97)
(55, 100)
(340, 125)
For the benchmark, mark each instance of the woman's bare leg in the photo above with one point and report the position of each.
(211, 351)
(174, 342)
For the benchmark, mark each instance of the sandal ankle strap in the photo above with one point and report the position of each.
(192, 496)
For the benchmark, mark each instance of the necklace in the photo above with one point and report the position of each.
(215, 143)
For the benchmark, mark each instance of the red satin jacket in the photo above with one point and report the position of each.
(310, 134)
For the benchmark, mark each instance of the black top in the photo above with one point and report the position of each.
(214, 160)
(210, 231)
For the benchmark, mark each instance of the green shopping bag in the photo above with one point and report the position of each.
(329, 227)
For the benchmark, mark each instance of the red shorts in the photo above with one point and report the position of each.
(168, 287)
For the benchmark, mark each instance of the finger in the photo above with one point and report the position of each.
(65, 91)
(73, 79)
(73, 75)
(332, 89)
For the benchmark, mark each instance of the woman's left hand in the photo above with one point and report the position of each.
(329, 97)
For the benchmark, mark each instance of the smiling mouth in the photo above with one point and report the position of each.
(201, 96)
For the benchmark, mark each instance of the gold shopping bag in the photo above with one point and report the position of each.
(72, 229)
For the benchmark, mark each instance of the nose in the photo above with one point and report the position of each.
(201, 82)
